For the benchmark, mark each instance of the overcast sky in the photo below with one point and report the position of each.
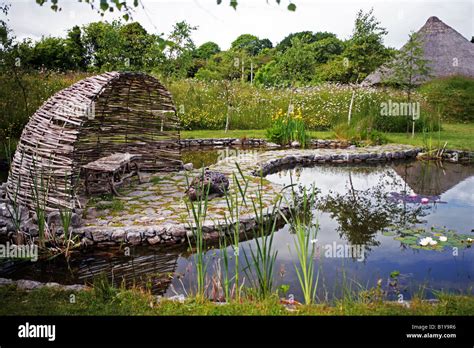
(222, 24)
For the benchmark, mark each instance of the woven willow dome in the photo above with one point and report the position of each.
(95, 117)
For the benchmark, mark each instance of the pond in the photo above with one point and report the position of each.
(376, 214)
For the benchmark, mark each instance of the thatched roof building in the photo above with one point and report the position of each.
(448, 52)
(431, 179)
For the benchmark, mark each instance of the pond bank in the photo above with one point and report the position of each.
(113, 301)
(155, 212)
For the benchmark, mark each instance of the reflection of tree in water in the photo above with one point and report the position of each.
(361, 214)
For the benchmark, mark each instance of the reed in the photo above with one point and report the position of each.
(305, 232)
(198, 212)
(261, 262)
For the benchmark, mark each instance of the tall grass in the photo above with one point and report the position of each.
(260, 264)
(305, 231)
(197, 210)
(204, 105)
(235, 200)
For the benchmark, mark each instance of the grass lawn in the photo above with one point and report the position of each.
(459, 136)
(112, 301)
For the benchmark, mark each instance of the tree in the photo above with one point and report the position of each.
(126, 6)
(207, 50)
(76, 49)
(408, 69)
(103, 42)
(296, 64)
(224, 65)
(136, 43)
(180, 50)
(365, 50)
(304, 36)
(251, 44)
(327, 48)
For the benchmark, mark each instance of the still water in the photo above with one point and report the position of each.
(373, 208)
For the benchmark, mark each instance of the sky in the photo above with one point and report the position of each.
(263, 18)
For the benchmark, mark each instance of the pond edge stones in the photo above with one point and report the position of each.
(268, 162)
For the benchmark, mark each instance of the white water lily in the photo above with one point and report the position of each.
(425, 241)
(443, 238)
(433, 242)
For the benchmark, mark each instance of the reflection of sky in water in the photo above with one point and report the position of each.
(435, 270)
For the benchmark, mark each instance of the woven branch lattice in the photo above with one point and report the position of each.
(95, 117)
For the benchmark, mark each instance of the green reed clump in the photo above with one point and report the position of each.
(261, 262)
(305, 231)
(197, 210)
(235, 201)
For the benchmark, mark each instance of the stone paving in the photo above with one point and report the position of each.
(155, 211)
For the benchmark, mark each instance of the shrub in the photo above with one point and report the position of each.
(398, 124)
(453, 96)
(19, 98)
(360, 132)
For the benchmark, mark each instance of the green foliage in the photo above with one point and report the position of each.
(21, 96)
(287, 128)
(409, 66)
(297, 63)
(359, 132)
(305, 231)
(207, 50)
(412, 238)
(123, 302)
(453, 96)
(251, 44)
(306, 37)
(365, 50)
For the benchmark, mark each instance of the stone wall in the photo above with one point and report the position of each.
(253, 142)
(222, 142)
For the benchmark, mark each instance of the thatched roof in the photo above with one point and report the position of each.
(433, 180)
(448, 52)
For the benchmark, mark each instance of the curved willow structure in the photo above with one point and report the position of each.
(95, 117)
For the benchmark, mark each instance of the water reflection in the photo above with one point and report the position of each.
(353, 208)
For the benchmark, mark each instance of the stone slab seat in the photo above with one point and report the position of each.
(117, 164)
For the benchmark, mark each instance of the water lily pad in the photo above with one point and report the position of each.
(435, 238)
